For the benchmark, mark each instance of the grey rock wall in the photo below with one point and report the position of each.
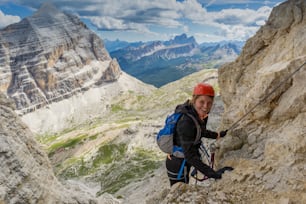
(26, 175)
(50, 56)
(268, 147)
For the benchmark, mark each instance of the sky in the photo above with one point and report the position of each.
(147, 20)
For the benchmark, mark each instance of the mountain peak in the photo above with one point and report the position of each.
(47, 8)
(45, 48)
(181, 39)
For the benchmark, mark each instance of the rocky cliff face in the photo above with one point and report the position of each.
(268, 147)
(26, 175)
(49, 57)
(58, 72)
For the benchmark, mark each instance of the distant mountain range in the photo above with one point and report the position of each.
(161, 62)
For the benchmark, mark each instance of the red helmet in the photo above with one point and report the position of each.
(203, 89)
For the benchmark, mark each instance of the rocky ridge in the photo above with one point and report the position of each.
(172, 59)
(50, 56)
(267, 148)
(26, 174)
(50, 63)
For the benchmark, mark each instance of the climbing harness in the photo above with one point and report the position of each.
(267, 96)
(182, 170)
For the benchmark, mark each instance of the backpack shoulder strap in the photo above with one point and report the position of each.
(198, 137)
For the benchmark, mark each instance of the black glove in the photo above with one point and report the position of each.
(223, 133)
(218, 176)
(222, 170)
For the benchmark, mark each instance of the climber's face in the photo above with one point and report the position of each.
(203, 105)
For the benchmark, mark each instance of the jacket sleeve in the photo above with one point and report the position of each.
(186, 133)
(209, 134)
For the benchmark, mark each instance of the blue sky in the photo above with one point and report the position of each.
(146, 20)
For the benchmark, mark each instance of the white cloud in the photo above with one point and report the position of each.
(7, 19)
(231, 24)
(240, 16)
(186, 29)
(204, 37)
(140, 15)
(191, 9)
(109, 23)
(236, 2)
(238, 24)
(237, 32)
(122, 15)
(210, 2)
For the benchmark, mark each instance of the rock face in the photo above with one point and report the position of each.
(26, 175)
(50, 56)
(268, 147)
(58, 72)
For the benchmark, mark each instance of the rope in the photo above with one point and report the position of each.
(269, 94)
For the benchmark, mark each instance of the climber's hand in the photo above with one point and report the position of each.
(227, 168)
(223, 133)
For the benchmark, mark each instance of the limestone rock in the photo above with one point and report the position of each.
(50, 56)
(26, 175)
(58, 72)
(267, 148)
(275, 130)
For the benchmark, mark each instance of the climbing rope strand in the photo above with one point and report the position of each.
(269, 94)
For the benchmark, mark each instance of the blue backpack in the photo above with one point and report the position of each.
(166, 134)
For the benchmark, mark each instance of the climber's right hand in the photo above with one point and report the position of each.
(226, 168)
